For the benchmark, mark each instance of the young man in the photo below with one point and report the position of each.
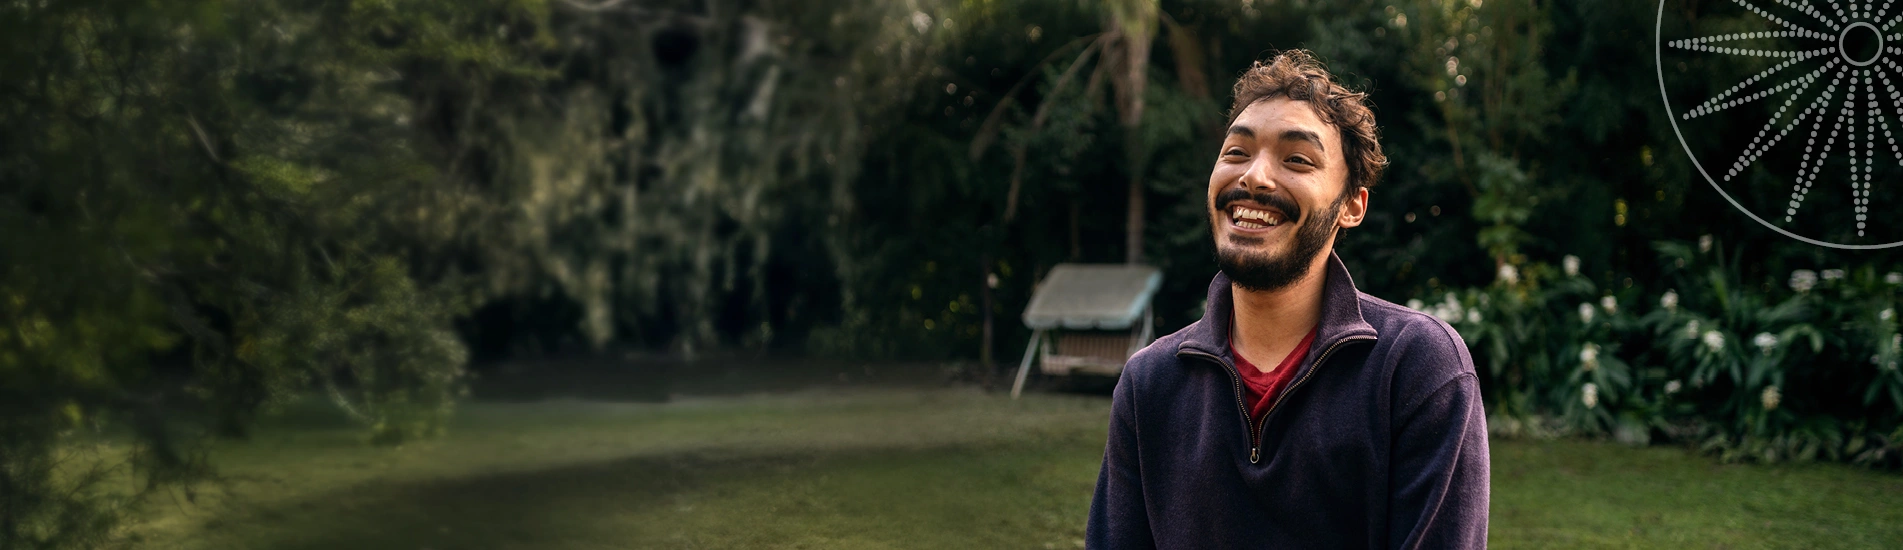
(1299, 412)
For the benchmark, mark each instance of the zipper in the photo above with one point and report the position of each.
(1235, 377)
(1255, 430)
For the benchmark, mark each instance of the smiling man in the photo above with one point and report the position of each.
(1298, 412)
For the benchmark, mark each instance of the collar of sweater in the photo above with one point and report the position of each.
(1341, 318)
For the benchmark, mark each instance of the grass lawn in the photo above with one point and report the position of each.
(898, 468)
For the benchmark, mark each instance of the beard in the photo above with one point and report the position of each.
(1268, 271)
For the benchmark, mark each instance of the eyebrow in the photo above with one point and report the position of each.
(1304, 135)
(1287, 135)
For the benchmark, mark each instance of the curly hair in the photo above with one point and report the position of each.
(1297, 75)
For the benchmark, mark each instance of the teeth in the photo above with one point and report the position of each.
(1268, 219)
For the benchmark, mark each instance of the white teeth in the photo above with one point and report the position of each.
(1268, 219)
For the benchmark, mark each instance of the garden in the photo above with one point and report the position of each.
(713, 273)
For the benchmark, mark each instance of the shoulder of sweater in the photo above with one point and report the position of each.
(1421, 340)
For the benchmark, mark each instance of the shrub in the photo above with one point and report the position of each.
(1803, 370)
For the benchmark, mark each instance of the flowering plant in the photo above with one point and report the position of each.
(1732, 346)
(1805, 364)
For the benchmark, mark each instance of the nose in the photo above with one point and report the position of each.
(1257, 178)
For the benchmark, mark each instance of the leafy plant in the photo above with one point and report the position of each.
(1749, 372)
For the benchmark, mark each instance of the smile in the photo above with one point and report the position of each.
(1250, 218)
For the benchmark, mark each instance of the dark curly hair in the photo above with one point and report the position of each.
(1297, 75)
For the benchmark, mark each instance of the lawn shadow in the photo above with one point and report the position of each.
(652, 501)
(529, 509)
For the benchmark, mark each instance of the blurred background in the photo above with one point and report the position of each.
(733, 273)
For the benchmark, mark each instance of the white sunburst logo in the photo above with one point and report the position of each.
(1807, 94)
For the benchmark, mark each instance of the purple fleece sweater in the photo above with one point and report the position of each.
(1380, 442)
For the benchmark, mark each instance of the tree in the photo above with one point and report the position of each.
(207, 209)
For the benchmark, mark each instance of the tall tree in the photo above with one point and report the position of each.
(207, 208)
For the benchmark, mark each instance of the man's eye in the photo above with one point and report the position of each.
(1234, 153)
(1302, 160)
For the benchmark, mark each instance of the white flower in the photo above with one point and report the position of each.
(1886, 314)
(1770, 397)
(1765, 342)
(1691, 329)
(1803, 279)
(1669, 301)
(1585, 313)
(1414, 304)
(1704, 243)
(1893, 278)
(1714, 340)
(1448, 310)
(1833, 274)
(1571, 264)
(1473, 316)
(1610, 304)
(1672, 387)
(1589, 355)
(1509, 274)
(1589, 395)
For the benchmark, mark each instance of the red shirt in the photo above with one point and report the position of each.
(1262, 387)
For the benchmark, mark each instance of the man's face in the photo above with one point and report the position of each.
(1277, 194)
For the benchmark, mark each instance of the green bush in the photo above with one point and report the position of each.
(1805, 369)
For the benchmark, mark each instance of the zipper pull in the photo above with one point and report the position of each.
(1255, 454)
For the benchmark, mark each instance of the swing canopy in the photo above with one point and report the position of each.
(1092, 296)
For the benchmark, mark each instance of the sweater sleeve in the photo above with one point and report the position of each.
(1438, 479)
(1118, 519)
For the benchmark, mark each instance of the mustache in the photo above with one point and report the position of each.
(1288, 207)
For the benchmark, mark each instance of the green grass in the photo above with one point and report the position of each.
(899, 469)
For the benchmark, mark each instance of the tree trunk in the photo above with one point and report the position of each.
(1076, 233)
(984, 299)
(1136, 20)
(9, 526)
(1133, 221)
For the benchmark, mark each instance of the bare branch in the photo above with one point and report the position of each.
(604, 5)
(989, 130)
(1018, 151)
(644, 14)
(202, 138)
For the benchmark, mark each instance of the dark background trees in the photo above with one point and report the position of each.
(210, 206)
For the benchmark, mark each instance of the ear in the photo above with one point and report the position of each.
(1354, 209)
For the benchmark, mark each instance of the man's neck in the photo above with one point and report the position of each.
(1269, 324)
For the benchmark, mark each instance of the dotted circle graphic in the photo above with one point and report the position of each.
(1833, 102)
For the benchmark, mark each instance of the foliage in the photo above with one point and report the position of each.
(684, 175)
(1800, 370)
(1524, 128)
(208, 206)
